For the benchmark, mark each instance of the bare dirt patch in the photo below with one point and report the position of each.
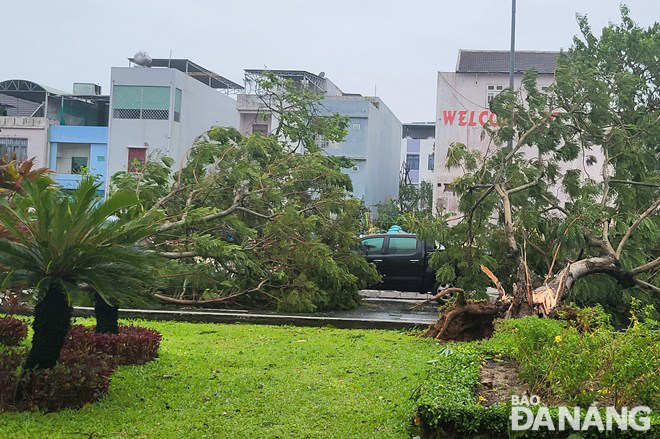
(499, 380)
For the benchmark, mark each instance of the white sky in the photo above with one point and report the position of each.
(394, 46)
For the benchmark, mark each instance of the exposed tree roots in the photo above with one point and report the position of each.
(467, 321)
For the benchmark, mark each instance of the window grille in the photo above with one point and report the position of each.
(10, 146)
(136, 102)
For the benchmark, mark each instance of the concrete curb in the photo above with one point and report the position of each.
(261, 319)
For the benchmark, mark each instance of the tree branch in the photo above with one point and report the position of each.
(174, 255)
(215, 301)
(508, 218)
(647, 285)
(635, 183)
(646, 267)
(636, 224)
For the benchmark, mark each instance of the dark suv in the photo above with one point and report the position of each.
(402, 260)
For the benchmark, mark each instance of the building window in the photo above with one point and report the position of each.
(136, 159)
(13, 146)
(412, 162)
(356, 127)
(134, 102)
(260, 128)
(177, 105)
(72, 158)
(324, 143)
(431, 162)
(492, 91)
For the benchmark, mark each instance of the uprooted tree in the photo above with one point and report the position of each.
(569, 194)
(251, 220)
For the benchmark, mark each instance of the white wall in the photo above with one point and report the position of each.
(34, 129)
(464, 95)
(383, 154)
(201, 108)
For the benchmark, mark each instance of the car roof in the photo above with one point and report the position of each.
(382, 235)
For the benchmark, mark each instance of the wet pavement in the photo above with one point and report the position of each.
(378, 311)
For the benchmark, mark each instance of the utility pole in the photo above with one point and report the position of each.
(512, 55)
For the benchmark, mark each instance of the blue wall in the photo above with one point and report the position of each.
(96, 137)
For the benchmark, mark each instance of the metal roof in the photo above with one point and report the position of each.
(28, 90)
(497, 61)
(196, 71)
(295, 75)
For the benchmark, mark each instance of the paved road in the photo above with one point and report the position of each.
(380, 312)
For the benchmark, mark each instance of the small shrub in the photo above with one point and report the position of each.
(133, 344)
(79, 378)
(12, 331)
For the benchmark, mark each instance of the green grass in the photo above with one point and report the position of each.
(249, 381)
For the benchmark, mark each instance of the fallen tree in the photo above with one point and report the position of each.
(253, 221)
(570, 190)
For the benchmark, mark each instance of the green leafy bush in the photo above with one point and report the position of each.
(586, 360)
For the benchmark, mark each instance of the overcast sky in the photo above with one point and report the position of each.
(394, 47)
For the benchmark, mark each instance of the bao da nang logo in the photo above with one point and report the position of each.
(572, 418)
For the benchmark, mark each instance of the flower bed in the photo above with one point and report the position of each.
(12, 331)
(133, 344)
(79, 378)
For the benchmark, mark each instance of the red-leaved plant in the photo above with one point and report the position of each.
(133, 344)
(79, 378)
(12, 331)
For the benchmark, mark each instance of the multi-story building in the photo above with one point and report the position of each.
(417, 152)
(66, 132)
(373, 141)
(163, 108)
(463, 108)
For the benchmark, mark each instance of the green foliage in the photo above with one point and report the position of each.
(603, 107)
(414, 201)
(552, 355)
(588, 360)
(72, 240)
(301, 119)
(248, 381)
(252, 219)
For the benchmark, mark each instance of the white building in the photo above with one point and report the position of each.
(418, 152)
(463, 106)
(373, 140)
(161, 109)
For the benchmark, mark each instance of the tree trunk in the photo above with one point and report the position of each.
(107, 316)
(522, 300)
(466, 321)
(52, 318)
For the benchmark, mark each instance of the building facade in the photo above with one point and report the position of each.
(373, 140)
(64, 131)
(463, 108)
(417, 152)
(162, 109)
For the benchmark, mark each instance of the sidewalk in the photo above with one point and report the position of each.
(386, 312)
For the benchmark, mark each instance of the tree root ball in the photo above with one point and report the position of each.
(467, 321)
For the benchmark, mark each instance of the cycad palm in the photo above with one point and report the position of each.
(60, 244)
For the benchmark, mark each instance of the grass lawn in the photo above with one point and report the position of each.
(250, 381)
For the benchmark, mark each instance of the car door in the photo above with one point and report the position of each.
(374, 249)
(404, 266)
